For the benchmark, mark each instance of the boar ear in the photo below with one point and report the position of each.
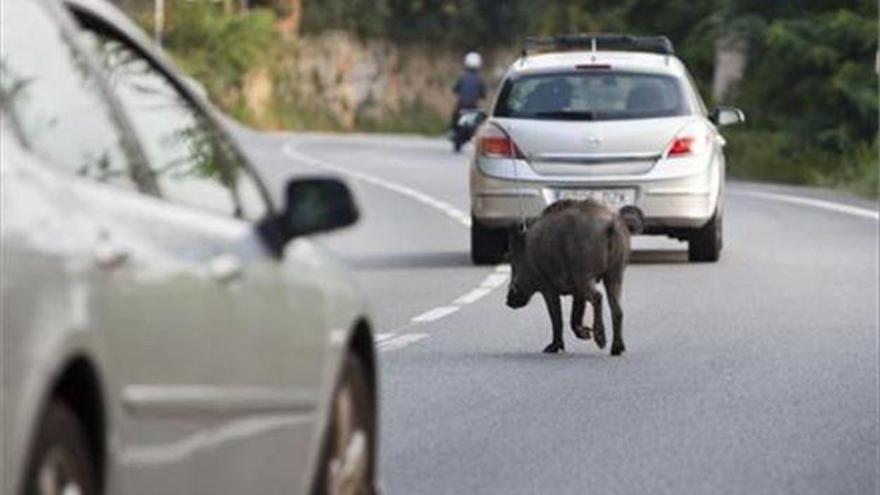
(633, 218)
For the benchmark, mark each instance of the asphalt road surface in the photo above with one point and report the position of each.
(755, 375)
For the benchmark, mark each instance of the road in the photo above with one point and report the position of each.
(758, 374)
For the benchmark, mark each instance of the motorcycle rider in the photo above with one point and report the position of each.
(469, 89)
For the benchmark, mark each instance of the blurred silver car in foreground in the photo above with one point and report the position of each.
(165, 329)
(615, 118)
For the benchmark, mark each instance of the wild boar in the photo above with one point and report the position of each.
(566, 251)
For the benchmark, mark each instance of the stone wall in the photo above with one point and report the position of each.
(354, 79)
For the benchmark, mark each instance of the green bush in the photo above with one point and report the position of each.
(774, 156)
(220, 49)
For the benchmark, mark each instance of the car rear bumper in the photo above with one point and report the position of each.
(677, 196)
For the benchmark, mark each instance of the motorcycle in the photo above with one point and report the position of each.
(466, 124)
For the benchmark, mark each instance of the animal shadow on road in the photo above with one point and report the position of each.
(540, 357)
(437, 259)
(657, 257)
(461, 259)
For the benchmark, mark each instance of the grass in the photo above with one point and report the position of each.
(773, 157)
(412, 117)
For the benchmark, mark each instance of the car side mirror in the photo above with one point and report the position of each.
(471, 118)
(316, 204)
(727, 116)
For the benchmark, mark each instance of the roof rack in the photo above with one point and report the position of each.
(594, 42)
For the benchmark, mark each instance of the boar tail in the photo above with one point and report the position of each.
(616, 232)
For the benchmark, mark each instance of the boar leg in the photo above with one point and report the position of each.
(613, 286)
(578, 304)
(598, 322)
(580, 297)
(555, 309)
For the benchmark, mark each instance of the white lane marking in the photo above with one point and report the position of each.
(815, 203)
(494, 280)
(383, 336)
(472, 296)
(429, 201)
(435, 314)
(401, 341)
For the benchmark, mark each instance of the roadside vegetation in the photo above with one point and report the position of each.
(809, 87)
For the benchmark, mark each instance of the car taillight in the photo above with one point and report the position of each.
(680, 146)
(692, 140)
(495, 143)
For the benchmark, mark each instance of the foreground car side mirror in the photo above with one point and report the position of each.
(317, 204)
(727, 116)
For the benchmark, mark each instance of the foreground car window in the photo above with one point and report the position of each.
(591, 96)
(186, 158)
(54, 100)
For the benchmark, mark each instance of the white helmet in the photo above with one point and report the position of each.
(473, 60)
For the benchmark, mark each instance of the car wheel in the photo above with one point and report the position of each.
(348, 463)
(488, 245)
(61, 461)
(705, 243)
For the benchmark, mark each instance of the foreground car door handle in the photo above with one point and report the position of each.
(109, 255)
(225, 268)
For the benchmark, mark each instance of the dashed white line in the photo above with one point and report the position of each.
(488, 284)
(815, 203)
(472, 296)
(400, 341)
(494, 280)
(435, 314)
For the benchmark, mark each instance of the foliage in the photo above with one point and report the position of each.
(366, 18)
(220, 49)
(814, 78)
(810, 92)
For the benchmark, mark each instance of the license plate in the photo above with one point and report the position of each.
(613, 198)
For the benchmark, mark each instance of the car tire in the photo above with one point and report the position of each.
(61, 461)
(348, 454)
(705, 243)
(488, 245)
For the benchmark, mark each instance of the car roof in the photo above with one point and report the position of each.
(618, 60)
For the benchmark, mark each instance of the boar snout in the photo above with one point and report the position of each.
(516, 299)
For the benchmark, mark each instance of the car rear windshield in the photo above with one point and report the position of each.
(593, 95)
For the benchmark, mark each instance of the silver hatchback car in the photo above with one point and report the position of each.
(610, 117)
(165, 329)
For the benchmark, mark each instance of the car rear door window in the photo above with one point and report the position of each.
(53, 99)
(190, 162)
